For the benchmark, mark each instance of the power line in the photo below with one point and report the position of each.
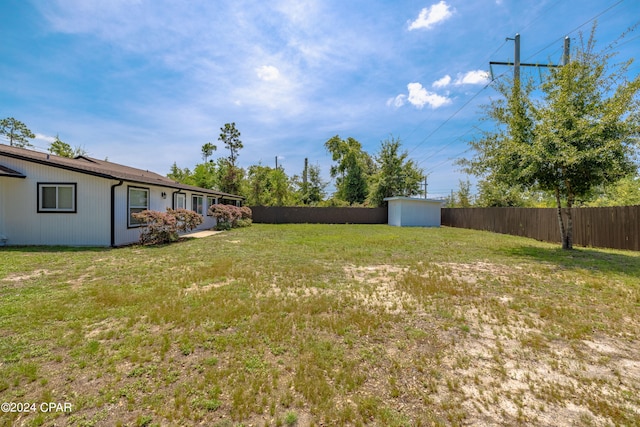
(495, 79)
(449, 118)
(577, 28)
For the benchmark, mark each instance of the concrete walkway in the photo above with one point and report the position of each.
(201, 233)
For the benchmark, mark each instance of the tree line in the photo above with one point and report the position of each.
(361, 179)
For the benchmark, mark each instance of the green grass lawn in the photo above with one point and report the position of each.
(322, 325)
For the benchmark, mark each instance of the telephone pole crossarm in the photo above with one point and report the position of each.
(524, 64)
(517, 64)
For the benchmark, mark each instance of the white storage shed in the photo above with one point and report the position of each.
(414, 212)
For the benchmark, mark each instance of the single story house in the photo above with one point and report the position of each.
(52, 200)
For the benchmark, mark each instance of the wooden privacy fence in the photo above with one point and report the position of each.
(304, 215)
(611, 227)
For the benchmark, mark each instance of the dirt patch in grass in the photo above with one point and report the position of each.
(503, 369)
(313, 325)
(18, 277)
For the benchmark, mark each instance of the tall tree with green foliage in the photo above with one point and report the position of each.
(61, 148)
(461, 198)
(396, 174)
(269, 187)
(312, 191)
(207, 151)
(230, 137)
(352, 170)
(581, 133)
(16, 132)
(178, 174)
(205, 175)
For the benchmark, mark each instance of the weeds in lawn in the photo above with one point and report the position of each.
(309, 325)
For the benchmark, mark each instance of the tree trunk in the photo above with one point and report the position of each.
(564, 235)
(568, 243)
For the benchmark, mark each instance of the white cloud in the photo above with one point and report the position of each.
(475, 77)
(46, 138)
(398, 101)
(432, 15)
(443, 82)
(419, 97)
(267, 73)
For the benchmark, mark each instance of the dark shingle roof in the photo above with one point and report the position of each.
(100, 168)
(5, 171)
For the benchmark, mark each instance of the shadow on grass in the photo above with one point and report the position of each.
(581, 258)
(54, 249)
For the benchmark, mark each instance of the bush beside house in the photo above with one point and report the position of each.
(229, 216)
(163, 227)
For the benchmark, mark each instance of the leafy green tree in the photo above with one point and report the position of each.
(314, 191)
(183, 176)
(269, 187)
(16, 132)
(461, 198)
(230, 178)
(492, 193)
(61, 148)
(352, 171)
(204, 175)
(231, 181)
(309, 191)
(581, 133)
(396, 175)
(625, 192)
(280, 186)
(258, 183)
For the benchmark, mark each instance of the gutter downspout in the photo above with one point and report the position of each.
(113, 213)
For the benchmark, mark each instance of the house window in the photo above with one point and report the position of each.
(210, 202)
(197, 204)
(57, 197)
(138, 201)
(180, 201)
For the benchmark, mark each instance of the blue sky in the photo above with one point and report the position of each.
(147, 82)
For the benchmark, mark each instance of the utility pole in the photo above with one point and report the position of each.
(425, 186)
(517, 64)
(566, 51)
(305, 186)
(304, 175)
(276, 162)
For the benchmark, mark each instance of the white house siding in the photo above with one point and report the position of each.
(23, 225)
(2, 204)
(125, 235)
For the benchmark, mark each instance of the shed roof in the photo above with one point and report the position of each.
(99, 168)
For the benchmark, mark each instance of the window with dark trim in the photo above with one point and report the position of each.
(197, 204)
(54, 197)
(211, 200)
(137, 201)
